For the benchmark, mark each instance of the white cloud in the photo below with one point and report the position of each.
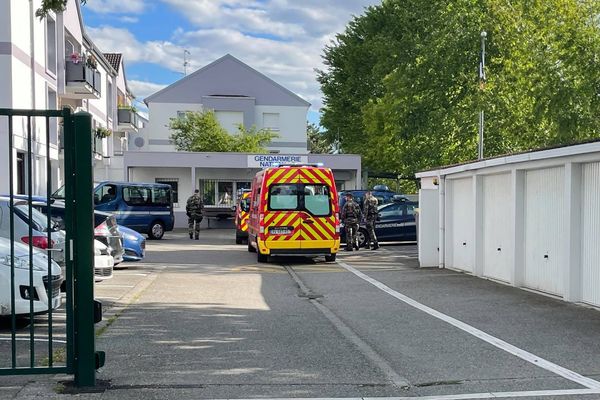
(117, 6)
(283, 39)
(143, 89)
(128, 19)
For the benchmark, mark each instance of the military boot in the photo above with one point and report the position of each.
(375, 246)
(191, 235)
(197, 237)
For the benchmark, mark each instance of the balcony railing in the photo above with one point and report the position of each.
(82, 82)
(128, 119)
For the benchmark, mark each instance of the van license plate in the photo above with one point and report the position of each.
(280, 230)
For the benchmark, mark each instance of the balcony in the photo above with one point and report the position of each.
(128, 119)
(82, 82)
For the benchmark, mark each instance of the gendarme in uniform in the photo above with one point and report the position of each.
(370, 210)
(194, 210)
(351, 216)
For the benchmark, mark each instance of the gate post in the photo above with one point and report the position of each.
(80, 236)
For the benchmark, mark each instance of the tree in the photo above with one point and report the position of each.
(201, 131)
(318, 143)
(52, 5)
(418, 108)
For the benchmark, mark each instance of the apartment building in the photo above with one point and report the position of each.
(51, 63)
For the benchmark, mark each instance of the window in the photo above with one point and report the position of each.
(230, 120)
(410, 209)
(271, 121)
(21, 176)
(225, 192)
(391, 211)
(105, 194)
(52, 104)
(51, 45)
(207, 191)
(109, 97)
(245, 204)
(283, 197)
(161, 196)
(136, 195)
(314, 199)
(174, 182)
(181, 114)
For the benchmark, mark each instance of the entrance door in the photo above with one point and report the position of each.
(544, 228)
(590, 233)
(497, 210)
(462, 224)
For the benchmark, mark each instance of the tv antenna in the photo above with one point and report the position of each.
(185, 61)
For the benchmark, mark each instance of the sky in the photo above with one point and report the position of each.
(283, 39)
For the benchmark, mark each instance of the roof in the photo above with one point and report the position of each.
(114, 59)
(590, 146)
(227, 77)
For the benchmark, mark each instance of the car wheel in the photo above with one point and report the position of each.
(330, 258)
(238, 240)
(261, 258)
(362, 236)
(157, 230)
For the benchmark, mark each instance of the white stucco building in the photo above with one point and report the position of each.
(51, 63)
(238, 94)
(531, 220)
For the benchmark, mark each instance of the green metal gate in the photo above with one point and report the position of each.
(38, 335)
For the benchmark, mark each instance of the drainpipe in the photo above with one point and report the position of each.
(442, 220)
(33, 132)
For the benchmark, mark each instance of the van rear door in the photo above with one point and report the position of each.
(282, 219)
(318, 222)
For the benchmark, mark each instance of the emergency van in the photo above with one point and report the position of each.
(241, 216)
(294, 211)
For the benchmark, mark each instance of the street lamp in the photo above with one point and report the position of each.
(481, 86)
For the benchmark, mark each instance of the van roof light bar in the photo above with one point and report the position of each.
(319, 164)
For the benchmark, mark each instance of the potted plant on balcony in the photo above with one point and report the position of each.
(102, 132)
(91, 62)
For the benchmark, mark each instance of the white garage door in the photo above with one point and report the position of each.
(497, 210)
(590, 234)
(544, 230)
(462, 224)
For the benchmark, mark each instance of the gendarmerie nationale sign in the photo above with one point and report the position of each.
(271, 160)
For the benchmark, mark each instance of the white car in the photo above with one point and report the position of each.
(23, 291)
(103, 262)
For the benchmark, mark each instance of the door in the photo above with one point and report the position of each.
(409, 225)
(590, 233)
(497, 210)
(544, 227)
(318, 222)
(461, 216)
(389, 226)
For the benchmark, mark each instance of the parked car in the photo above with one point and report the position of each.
(144, 207)
(103, 262)
(106, 229)
(23, 292)
(242, 208)
(51, 239)
(134, 244)
(396, 223)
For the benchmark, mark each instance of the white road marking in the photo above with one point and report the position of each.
(468, 396)
(486, 337)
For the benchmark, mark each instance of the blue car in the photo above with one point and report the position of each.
(396, 223)
(133, 243)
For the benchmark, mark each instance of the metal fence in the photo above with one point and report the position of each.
(43, 330)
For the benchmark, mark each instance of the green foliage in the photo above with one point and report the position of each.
(102, 132)
(318, 143)
(200, 131)
(401, 83)
(52, 5)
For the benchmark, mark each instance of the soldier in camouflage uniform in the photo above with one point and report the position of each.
(351, 216)
(194, 209)
(370, 210)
